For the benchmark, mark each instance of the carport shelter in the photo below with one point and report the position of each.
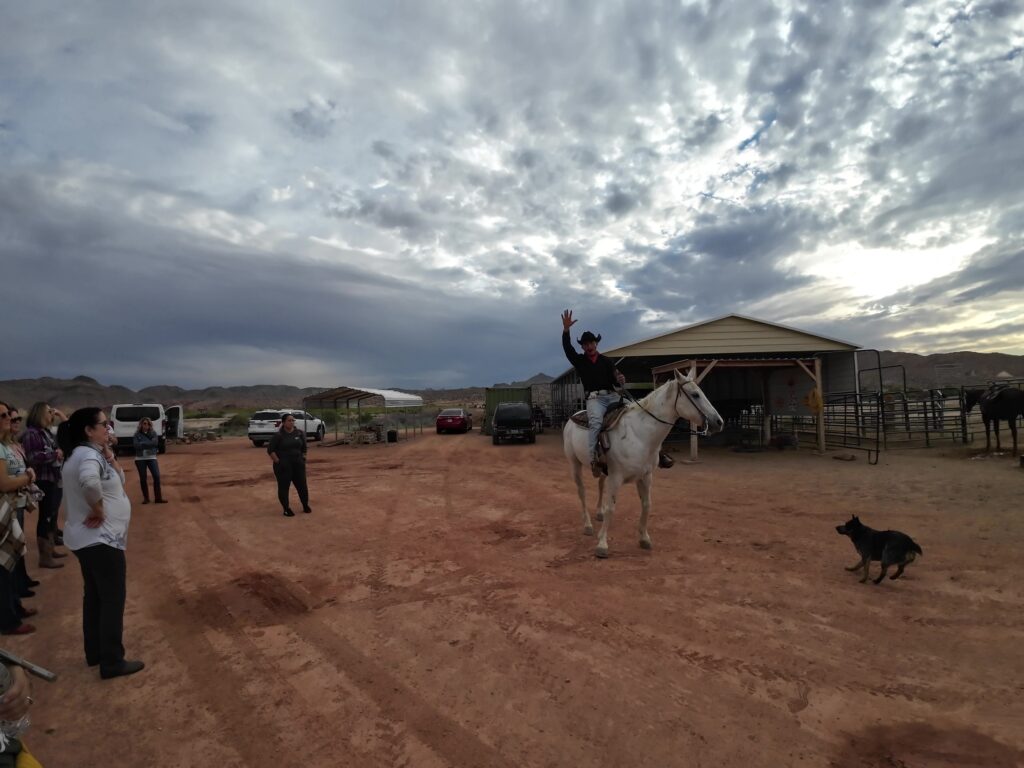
(336, 398)
(740, 363)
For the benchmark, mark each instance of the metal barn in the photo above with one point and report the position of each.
(758, 374)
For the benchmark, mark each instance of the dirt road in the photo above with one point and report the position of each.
(440, 607)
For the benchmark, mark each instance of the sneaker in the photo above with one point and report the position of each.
(307, 510)
(122, 669)
(288, 513)
(21, 629)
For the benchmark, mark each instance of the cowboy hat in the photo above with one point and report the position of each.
(588, 336)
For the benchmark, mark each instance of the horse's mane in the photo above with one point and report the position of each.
(644, 400)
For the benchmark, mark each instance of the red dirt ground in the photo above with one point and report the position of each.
(441, 607)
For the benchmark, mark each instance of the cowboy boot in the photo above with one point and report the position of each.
(53, 547)
(46, 554)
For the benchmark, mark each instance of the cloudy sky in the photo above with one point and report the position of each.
(408, 193)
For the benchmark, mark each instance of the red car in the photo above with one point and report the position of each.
(457, 419)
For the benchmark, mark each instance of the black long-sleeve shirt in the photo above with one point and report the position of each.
(599, 374)
(290, 447)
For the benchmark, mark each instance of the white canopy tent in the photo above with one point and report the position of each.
(345, 396)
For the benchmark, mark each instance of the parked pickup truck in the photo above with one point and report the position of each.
(264, 424)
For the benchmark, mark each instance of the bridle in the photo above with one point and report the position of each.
(679, 388)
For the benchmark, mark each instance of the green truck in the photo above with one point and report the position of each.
(495, 395)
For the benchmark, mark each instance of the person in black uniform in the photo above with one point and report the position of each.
(288, 450)
(600, 379)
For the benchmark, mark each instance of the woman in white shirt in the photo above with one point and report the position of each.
(97, 512)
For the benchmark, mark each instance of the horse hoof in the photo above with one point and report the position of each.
(601, 552)
(599, 517)
(645, 544)
(588, 531)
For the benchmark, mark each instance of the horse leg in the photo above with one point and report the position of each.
(643, 488)
(608, 507)
(988, 436)
(581, 491)
(995, 428)
(1013, 431)
(599, 515)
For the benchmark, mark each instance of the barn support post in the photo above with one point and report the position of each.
(766, 427)
(821, 404)
(693, 436)
(819, 400)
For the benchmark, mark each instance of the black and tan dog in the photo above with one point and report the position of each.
(890, 547)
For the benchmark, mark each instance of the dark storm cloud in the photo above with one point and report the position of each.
(277, 312)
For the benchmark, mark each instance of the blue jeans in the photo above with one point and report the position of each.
(596, 408)
(154, 469)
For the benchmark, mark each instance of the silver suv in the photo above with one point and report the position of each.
(263, 424)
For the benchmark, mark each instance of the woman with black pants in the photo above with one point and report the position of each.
(288, 450)
(97, 514)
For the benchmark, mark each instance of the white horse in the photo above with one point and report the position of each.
(633, 454)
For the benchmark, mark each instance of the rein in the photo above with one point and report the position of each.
(679, 389)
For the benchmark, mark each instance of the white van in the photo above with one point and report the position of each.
(125, 417)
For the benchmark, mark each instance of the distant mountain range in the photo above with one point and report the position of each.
(921, 372)
(938, 370)
(83, 390)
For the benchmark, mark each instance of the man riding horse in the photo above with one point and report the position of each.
(600, 380)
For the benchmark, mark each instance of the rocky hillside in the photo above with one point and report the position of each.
(940, 370)
(82, 390)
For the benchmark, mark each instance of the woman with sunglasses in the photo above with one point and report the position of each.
(15, 481)
(97, 513)
(147, 446)
(43, 455)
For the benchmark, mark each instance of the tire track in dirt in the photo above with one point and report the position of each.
(244, 723)
(395, 700)
(497, 599)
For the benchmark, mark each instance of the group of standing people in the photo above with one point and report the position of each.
(71, 460)
(30, 466)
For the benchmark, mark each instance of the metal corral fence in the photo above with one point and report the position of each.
(877, 421)
(864, 421)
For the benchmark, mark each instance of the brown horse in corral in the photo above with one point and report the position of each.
(1003, 404)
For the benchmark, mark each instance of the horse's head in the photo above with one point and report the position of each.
(694, 406)
(972, 397)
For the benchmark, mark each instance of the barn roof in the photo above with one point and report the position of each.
(731, 334)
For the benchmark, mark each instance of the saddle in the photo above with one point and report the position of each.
(611, 418)
(995, 390)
